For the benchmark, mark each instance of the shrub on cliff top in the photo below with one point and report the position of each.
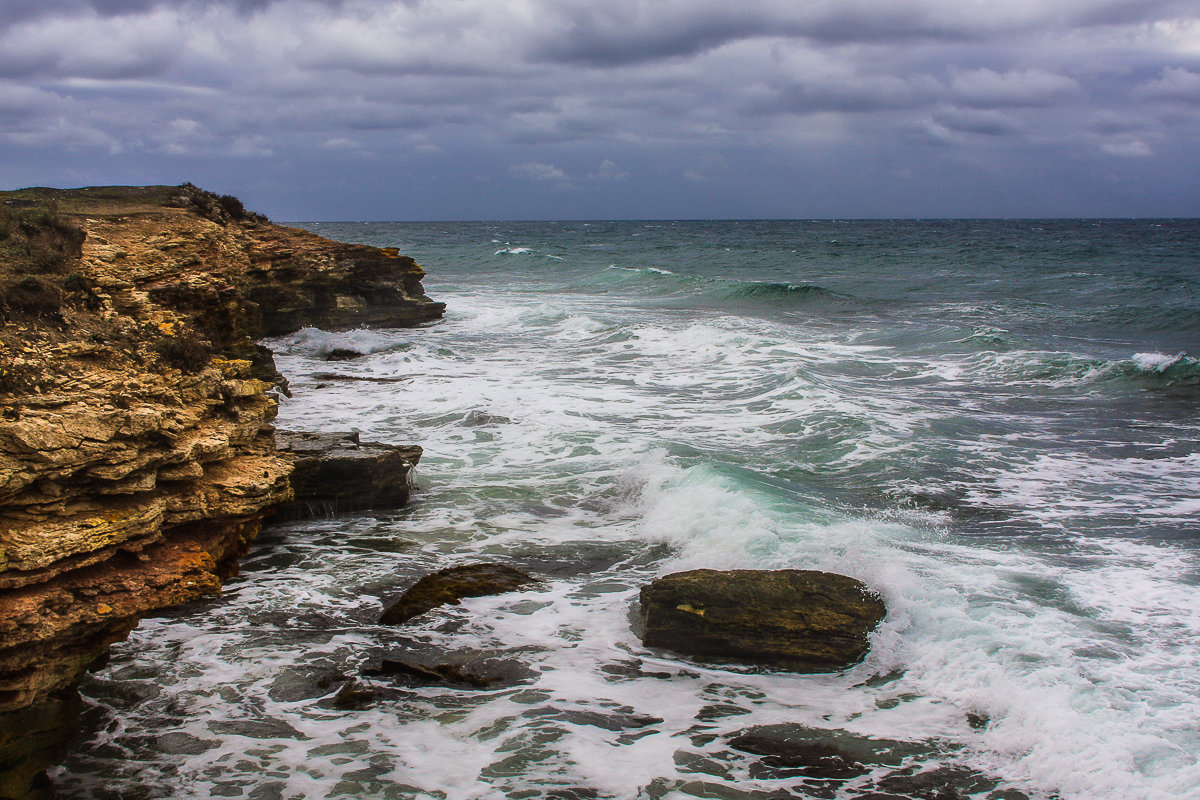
(221, 209)
(37, 239)
(30, 297)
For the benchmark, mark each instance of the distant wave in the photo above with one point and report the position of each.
(986, 338)
(771, 290)
(509, 250)
(662, 282)
(1177, 373)
(1172, 374)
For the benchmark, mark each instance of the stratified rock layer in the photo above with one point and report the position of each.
(137, 458)
(794, 619)
(335, 472)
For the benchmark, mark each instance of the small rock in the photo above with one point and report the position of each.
(478, 672)
(450, 585)
(353, 694)
(812, 759)
(342, 354)
(475, 419)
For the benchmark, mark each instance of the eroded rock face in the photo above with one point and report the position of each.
(137, 455)
(451, 585)
(335, 472)
(793, 619)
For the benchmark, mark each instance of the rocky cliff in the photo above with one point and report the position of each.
(137, 456)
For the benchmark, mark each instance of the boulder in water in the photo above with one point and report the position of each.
(794, 619)
(475, 670)
(335, 472)
(450, 585)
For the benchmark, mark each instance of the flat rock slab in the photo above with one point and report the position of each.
(477, 672)
(800, 620)
(450, 585)
(336, 472)
(881, 769)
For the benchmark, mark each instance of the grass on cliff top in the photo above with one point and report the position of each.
(119, 201)
(48, 301)
(94, 200)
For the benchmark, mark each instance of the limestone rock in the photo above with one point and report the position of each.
(451, 585)
(336, 472)
(793, 619)
(137, 455)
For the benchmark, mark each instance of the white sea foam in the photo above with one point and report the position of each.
(601, 446)
(1157, 361)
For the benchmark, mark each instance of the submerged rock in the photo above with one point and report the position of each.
(451, 585)
(480, 672)
(790, 756)
(794, 619)
(830, 761)
(34, 738)
(353, 694)
(342, 354)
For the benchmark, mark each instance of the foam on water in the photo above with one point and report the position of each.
(1036, 636)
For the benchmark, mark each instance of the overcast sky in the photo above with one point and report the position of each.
(533, 109)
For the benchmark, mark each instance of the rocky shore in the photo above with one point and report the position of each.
(137, 454)
(138, 460)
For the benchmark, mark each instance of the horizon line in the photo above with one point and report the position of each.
(739, 219)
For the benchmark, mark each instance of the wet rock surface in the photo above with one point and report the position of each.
(342, 354)
(801, 620)
(33, 738)
(840, 764)
(449, 586)
(335, 472)
(471, 670)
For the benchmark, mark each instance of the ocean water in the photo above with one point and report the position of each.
(993, 424)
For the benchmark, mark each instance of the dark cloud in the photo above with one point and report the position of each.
(988, 88)
(676, 97)
(1174, 84)
(12, 11)
(986, 123)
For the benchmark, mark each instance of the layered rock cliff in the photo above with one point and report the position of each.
(137, 456)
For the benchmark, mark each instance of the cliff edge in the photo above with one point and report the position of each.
(137, 455)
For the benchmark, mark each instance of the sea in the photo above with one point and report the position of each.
(993, 424)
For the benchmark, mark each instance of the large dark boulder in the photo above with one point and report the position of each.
(335, 472)
(450, 585)
(792, 619)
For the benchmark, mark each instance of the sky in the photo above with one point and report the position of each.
(613, 109)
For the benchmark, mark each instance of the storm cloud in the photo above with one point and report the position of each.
(679, 108)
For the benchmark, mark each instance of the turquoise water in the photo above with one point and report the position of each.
(994, 424)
